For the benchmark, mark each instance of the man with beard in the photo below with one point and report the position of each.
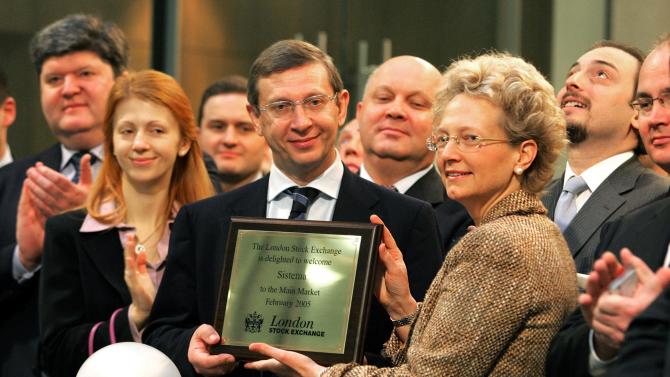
(395, 118)
(603, 177)
(593, 336)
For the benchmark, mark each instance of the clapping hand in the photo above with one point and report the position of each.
(142, 289)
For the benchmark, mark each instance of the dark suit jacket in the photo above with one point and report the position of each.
(187, 295)
(18, 326)
(81, 284)
(645, 232)
(630, 186)
(452, 218)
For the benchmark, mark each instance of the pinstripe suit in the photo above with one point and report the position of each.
(630, 186)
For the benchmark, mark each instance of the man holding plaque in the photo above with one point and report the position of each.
(297, 102)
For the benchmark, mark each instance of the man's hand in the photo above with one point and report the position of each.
(52, 193)
(284, 363)
(613, 313)
(199, 356)
(605, 269)
(29, 230)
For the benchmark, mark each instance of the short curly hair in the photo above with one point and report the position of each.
(525, 97)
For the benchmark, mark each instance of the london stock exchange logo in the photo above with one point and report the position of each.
(253, 322)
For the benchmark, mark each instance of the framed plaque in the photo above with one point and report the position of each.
(303, 286)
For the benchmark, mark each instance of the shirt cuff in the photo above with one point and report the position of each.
(597, 367)
(19, 272)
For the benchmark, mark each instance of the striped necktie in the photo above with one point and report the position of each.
(302, 199)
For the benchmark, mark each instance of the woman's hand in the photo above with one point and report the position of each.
(142, 289)
(392, 287)
(284, 363)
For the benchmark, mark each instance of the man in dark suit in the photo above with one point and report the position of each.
(395, 118)
(76, 59)
(592, 337)
(602, 139)
(297, 102)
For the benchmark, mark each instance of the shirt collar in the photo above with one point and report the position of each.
(403, 184)
(66, 154)
(328, 182)
(7, 158)
(598, 173)
(91, 225)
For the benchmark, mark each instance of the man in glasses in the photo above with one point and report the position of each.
(603, 177)
(592, 337)
(297, 102)
(395, 118)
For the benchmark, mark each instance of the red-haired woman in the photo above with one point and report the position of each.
(103, 264)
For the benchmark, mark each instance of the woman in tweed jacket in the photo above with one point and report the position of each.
(506, 287)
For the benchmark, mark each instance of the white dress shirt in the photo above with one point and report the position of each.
(7, 157)
(279, 203)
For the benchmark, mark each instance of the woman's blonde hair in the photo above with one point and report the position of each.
(525, 97)
(189, 181)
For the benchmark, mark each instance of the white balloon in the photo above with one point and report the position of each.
(130, 360)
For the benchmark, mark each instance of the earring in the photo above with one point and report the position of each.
(518, 170)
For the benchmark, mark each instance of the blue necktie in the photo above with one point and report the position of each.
(566, 207)
(302, 198)
(75, 160)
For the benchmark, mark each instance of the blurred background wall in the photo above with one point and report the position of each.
(199, 41)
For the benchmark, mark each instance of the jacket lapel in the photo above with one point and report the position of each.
(105, 251)
(428, 188)
(355, 199)
(551, 195)
(603, 202)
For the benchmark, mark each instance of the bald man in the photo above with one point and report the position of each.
(395, 119)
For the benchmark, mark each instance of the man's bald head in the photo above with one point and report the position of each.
(395, 116)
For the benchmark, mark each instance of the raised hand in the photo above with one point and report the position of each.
(202, 360)
(392, 288)
(29, 230)
(142, 289)
(284, 363)
(605, 269)
(53, 193)
(613, 313)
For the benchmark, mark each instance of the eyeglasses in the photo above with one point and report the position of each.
(465, 143)
(286, 109)
(644, 105)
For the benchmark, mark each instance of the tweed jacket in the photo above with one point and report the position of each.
(502, 293)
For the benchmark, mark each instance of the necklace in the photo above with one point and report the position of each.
(140, 248)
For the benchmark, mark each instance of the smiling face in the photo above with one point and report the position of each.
(481, 178)
(73, 91)
(655, 127)
(596, 94)
(303, 144)
(395, 114)
(146, 143)
(228, 135)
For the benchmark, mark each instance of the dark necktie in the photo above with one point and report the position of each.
(75, 161)
(302, 199)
